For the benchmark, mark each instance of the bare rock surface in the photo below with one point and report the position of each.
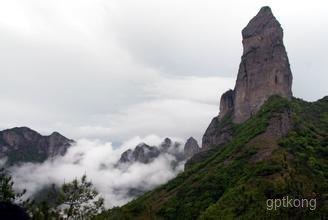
(191, 147)
(227, 103)
(144, 153)
(216, 134)
(22, 144)
(264, 71)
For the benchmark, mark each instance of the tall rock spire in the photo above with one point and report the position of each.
(264, 68)
(264, 71)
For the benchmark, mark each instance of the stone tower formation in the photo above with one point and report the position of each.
(264, 71)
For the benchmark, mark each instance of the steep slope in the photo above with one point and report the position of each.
(22, 144)
(263, 145)
(281, 151)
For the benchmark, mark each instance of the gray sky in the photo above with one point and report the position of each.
(117, 69)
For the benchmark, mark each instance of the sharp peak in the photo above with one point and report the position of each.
(191, 138)
(55, 133)
(264, 14)
(259, 23)
(167, 139)
(265, 10)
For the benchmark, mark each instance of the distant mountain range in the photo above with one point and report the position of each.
(144, 153)
(22, 144)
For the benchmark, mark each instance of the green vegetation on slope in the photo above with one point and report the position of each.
(237, 179)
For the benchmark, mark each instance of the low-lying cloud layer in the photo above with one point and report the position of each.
(97, 160)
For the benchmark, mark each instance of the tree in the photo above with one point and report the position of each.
(12, 204)
(7, 193)
(79, 200)
(75, 200)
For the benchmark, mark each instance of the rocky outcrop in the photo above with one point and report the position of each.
(23, 144)
(217, 134)
(191, 147)
(264, 71)
(57, 144)
(166, 144)
(126, 156)
(144, 153)
(227, 103)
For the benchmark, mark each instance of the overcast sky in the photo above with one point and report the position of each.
(115, 69)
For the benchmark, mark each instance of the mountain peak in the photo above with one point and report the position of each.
(28, 145)
(265, 9)
(191, 147)
(166, 144)
(264, 71)
(262, 21)
(264, 12)
(263, 145)
(191, 139)
(55, 133)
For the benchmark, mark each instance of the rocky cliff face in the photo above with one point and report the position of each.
(191, 147)
(264, 71)
(144, 153)
(22, 144)
(227, 102)
(166, 144)
(217, 134)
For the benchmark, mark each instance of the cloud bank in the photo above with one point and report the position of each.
(98, 161)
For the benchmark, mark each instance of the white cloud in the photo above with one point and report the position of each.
(74, 65)
(164, 117)
(117, 69)
(193, 88)
(97, 160)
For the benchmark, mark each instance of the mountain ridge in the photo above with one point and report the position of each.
(264, 145)
(22, 144)
(236, 180)
(144, 153)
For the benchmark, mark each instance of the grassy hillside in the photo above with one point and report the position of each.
(236, 180)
